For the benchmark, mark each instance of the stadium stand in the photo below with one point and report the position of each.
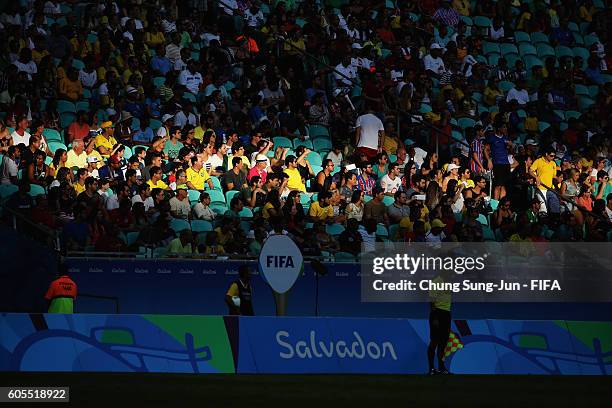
(117, 116)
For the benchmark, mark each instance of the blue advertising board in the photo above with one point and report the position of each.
(334, 345)
(266, 345)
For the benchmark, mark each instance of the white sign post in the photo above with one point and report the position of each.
(280, 262)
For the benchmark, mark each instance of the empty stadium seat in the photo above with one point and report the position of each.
(317, 130)
(65, 106)
(321, 144)
(179, 225)
(334, 229)
(281, 141)
(314, 158)
(53, 146)
(201, 226)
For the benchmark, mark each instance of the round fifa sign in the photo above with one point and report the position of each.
(280, 262)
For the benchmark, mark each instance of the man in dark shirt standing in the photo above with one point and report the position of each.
(239, 297)
(498, 159)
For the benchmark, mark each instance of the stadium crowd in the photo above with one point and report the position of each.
(203, 126)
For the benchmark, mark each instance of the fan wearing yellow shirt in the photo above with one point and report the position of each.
(79, 185)
(105, 142)
(295, 181)
(544, 170)
(197, 175)
(321, 210)
(156, 179)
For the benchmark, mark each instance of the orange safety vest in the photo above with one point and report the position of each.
(251, 45)
(62, 287)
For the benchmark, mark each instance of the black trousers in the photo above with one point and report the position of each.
(439, 326)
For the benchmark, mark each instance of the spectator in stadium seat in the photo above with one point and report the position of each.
(184, 244)
(368, 235)
(179, 205)
(321, 209)
(562, 35)
(197, 175)
(123, 192)
(173, 145)
(434, 64)
(365, 180)
(112, 170)
(375, 208)
(201, 210)
(235, 179)
(78, 129)
(70, 87)
(400, 207)
(236, 206)
(8, 168)
(602, 187)
(391, 182)
(105, 142)
(518, 93)
(76, 156)
(259, 170)
(348, 186)
(350, 239)
(143, 195)
(324, 180)
(156, 179)
(294, 181)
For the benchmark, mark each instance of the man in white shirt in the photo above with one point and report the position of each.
(21, 138)
(216, 86)
(123, 192)
(433, 62)
(185, 116)
(202, 211)
(347, 70)
(144, 196)
(8, 168)
(191, 78)
(519, 93)
(336, 156)
(216, 160)
(25, 63)
(391, 182)
(254, 16)
(369, 134)
(179, 205)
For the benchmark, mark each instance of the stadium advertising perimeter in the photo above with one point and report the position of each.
(271, 345)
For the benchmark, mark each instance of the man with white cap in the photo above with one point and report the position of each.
(531, 146)
(261, 162)
(434, 65)
(167, 123)
(452, 171)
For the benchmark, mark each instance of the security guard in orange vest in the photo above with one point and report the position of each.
(61, 293)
